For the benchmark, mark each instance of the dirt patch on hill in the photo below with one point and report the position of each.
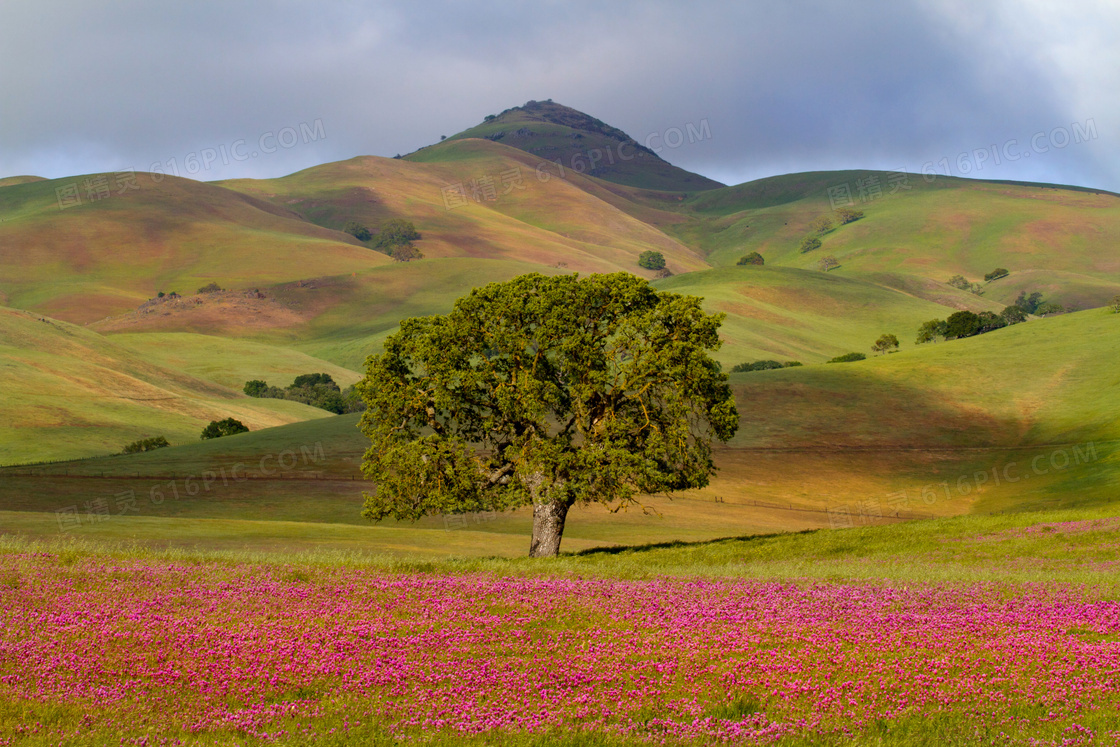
(223, 312)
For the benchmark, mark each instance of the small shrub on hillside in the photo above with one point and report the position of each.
(885, 344)
(663, 273)
(848, 215)
(651, 260)
(1114, 306)
(849, 358)
(146, 444)
(256, 388)
(754, 258)
(358, 231)
(210, 288)
(1028, 303)
(220, 428)
(793, 364)
(996, 274)
(828, 263)
(809, 244)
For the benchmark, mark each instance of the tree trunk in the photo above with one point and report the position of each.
(548, 528)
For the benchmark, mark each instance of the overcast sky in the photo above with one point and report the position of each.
(771, 87)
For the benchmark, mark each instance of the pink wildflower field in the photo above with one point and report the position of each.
(107, 650)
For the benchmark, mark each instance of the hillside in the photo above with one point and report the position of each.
(69, 392)
(1055, 239)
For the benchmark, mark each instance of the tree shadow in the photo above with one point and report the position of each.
(679, 544)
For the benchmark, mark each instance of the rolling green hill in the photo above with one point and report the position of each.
(1024, 418)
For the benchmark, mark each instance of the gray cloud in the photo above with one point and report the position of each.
(781, 86)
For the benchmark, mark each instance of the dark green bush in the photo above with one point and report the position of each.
(810, 243)
(651, 260)
(220, 428)
(996, 274)
(849, 358)
(146, 444)
(754, 258)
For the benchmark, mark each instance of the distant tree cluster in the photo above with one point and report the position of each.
(146, 444)
(848, 215)
(318, 390)
(996, 274)
(754, 258)
(763, 366)
(651, 260)
(848, 358)
(221, 428)
(1035, 304)
(358, 231)
(210, 288)
(1114, 306)
(394, 237)
(969, 324)
(959, 281)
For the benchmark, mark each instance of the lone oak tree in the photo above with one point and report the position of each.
(545, 391)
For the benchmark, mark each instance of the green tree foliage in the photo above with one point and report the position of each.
(828, 263)
(931, 331)
(220, 428)
(1030, 303)
(990, 321)
(996, 274)
(1013, 315)
(651, 260)
(848, 215)
(395, 233)
(315, 379)
(962, 324)
(848, 358)
(821, 224)
(210, 288)
(885, 344)
(754, 258)
(146, 444)
(544, 392)
(256, 388)
(809, 244)
(405, 253)
(1114, 305)
(1048, 308)
(358, 231)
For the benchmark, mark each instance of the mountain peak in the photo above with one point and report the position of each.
(581, 143)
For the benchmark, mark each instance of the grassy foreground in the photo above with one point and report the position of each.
(970, 630)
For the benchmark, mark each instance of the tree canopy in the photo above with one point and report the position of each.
(220, 428)
(651, 260)
(544, 392)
